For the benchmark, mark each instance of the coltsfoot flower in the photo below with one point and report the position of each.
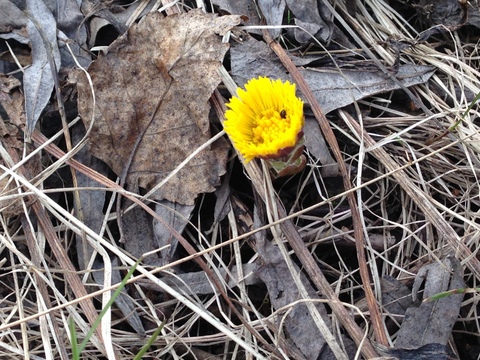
(266, 120)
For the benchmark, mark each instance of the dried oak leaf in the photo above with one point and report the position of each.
(151, 109)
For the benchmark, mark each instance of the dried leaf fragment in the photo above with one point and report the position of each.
(333, 89)
(12, 101)
(151, 112)
(38, 79)
(432, 322)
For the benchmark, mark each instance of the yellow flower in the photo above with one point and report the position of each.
(265, 120)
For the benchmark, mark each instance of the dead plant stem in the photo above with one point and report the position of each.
(55, 151)
(418, 196)
(42, 287)
(70, 275)
(296, 241)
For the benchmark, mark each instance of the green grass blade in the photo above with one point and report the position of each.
(474, 101)
(73, 337)
(149, 343)
(109, 304)
(451, 292)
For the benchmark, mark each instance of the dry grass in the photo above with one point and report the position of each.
(400, 151)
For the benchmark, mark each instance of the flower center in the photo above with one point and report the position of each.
(270, 126)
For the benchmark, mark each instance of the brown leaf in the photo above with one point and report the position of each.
(432, 322)
(332, 88)
(247, 9)
(273, 11)
(12, 102)
(314, 17)
(152, 91)
(277, 276)
(11, 120)
(198, 283)
(9, 136)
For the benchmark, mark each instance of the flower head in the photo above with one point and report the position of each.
(265, 120)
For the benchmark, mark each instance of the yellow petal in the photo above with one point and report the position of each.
(264, 118)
